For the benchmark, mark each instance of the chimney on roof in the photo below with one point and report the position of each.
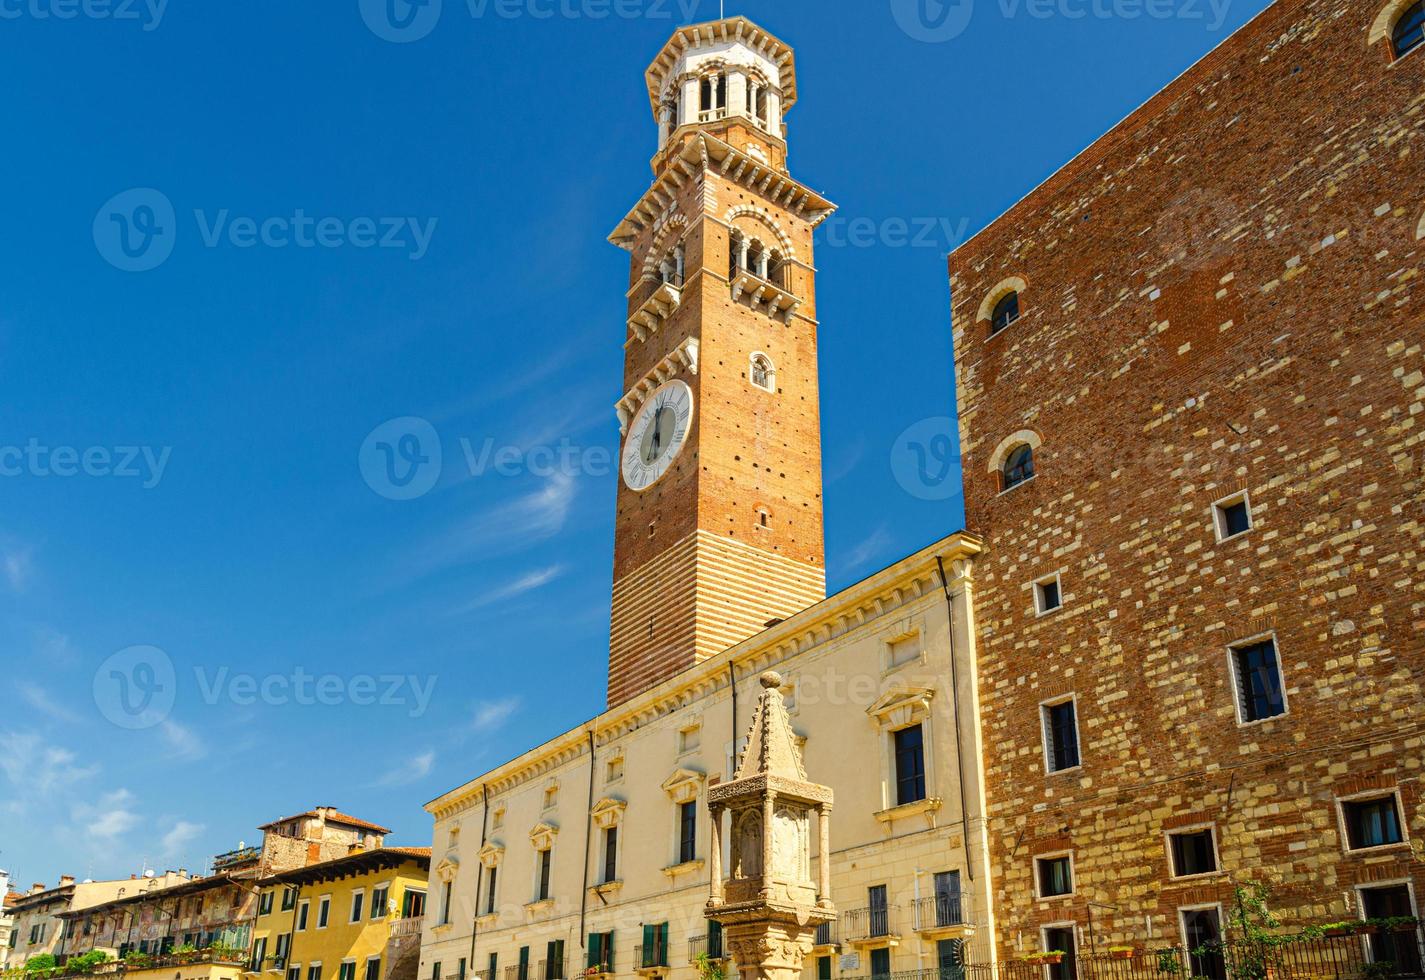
(66, 880)
(37, 887)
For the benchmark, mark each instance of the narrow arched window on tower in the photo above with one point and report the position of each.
(1018, 466)
(1006, 312)
(761, 372)
(1409, 30)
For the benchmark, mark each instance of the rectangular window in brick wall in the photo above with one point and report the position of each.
(1061, 736)
(1371, 822)
(1194, 852)
(1055, 876)
(1259, 681)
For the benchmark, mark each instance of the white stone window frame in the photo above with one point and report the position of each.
(491, 856)
(1219, 516)
(771, 386)
(384, 888)
(324, 901)
(896, 711)
(1056, 579)
(1182, 911)
(1007, 445)
(1364, 796)
(695, 729)
(614, 767)
(1044, 928)
(497, 817)
(1382, 30)
(684, 786)
(1044, 706)
(906, 629)
(355, 915)
(1360, 888)
(550, 798)
(608, 814)
(1039, 879)
(1235, 679)
(541, 839)
(1168, 836)
(985, 314)
(302, 920)
(372, 958)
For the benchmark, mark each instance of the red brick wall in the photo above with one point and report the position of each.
(1222, 294)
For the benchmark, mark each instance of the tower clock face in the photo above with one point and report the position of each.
(657, 435)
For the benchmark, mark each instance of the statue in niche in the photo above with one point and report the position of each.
(747, 857)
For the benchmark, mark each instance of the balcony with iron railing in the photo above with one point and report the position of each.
(243, 855)
(651, 959)
(710, 946)
(872, 926)
(943, 917)
(551, 970)
(826, 939)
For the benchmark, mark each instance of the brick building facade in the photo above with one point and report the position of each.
(1206, 330)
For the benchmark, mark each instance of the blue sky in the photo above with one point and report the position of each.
(213, 409)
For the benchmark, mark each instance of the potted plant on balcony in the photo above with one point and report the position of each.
(1050, 957)
(1122, 952)
(1401, 923)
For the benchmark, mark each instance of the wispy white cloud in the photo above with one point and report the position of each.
(872, 546)
(40, 699)
(490, 715)
(411, 770)
(110, 818)
(511, 526)
(179, 837)
(16, 564)
(525, 583)
(184, 743)
(33, 766)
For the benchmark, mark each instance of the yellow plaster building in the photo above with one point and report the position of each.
(353, 918)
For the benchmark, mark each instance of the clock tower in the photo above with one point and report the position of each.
(719, 528)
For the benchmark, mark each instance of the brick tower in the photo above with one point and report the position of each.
(719, 527)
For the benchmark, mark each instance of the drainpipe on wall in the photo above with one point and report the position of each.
(955, 698)
(479, 873)
(588, 846)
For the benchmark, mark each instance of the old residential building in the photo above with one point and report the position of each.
(41, 914)
(218, 909)
(1189, 369)
(592, 850)
(356, 917)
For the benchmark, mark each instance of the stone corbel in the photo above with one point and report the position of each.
(608, 812)
(683, 786)
(901, 707)
(491, 855)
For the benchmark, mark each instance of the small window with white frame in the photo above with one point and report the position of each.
(1371, 820)
(1257, 680)
(1060, 725)
(1232, 516)
(1048, 595)
(1192, 851)
(689, 739)
(762, 372)
(1054, 875)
